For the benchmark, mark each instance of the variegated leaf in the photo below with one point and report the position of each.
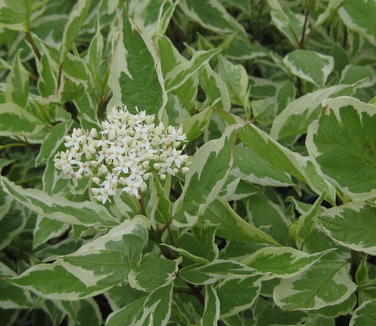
(299, 114)
(212, 16)
(135, 74)
(58, 208)
(282, 262)
(342, 144)
(207, 175)
(358, 16)
(352, 225)
(286, 160)
(144, 278)
(364, 315)
(309, 65)
(11, 296)
(215, 271)
(16, 121)
(153, 310)
(326, 283)
(93, 268)
(237, 294)
(52, 141)
(210, 316)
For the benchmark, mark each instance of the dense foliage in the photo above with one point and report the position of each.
(259, 211)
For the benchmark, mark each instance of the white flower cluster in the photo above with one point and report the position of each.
(122, 156)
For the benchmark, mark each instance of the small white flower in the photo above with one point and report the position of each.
(122, 156)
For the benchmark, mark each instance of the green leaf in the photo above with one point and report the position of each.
(299, 114)
(46, 229)
(215, 271)
(210, 316)
(204, 180)
(357, 16)
(11, 296)
(144, 278)
(342, 143)
(237, 294)
(17, 90)
(365, 314)
(52, 141)
(309, 65)
(232, 226)
(282, 262)
(135, 76)
(92, 269)
(286, 160)
(351, 226)
(58, 208)
(325, 284)
(212, 16)
(236, 79)
(15, 121)
(153, 310)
